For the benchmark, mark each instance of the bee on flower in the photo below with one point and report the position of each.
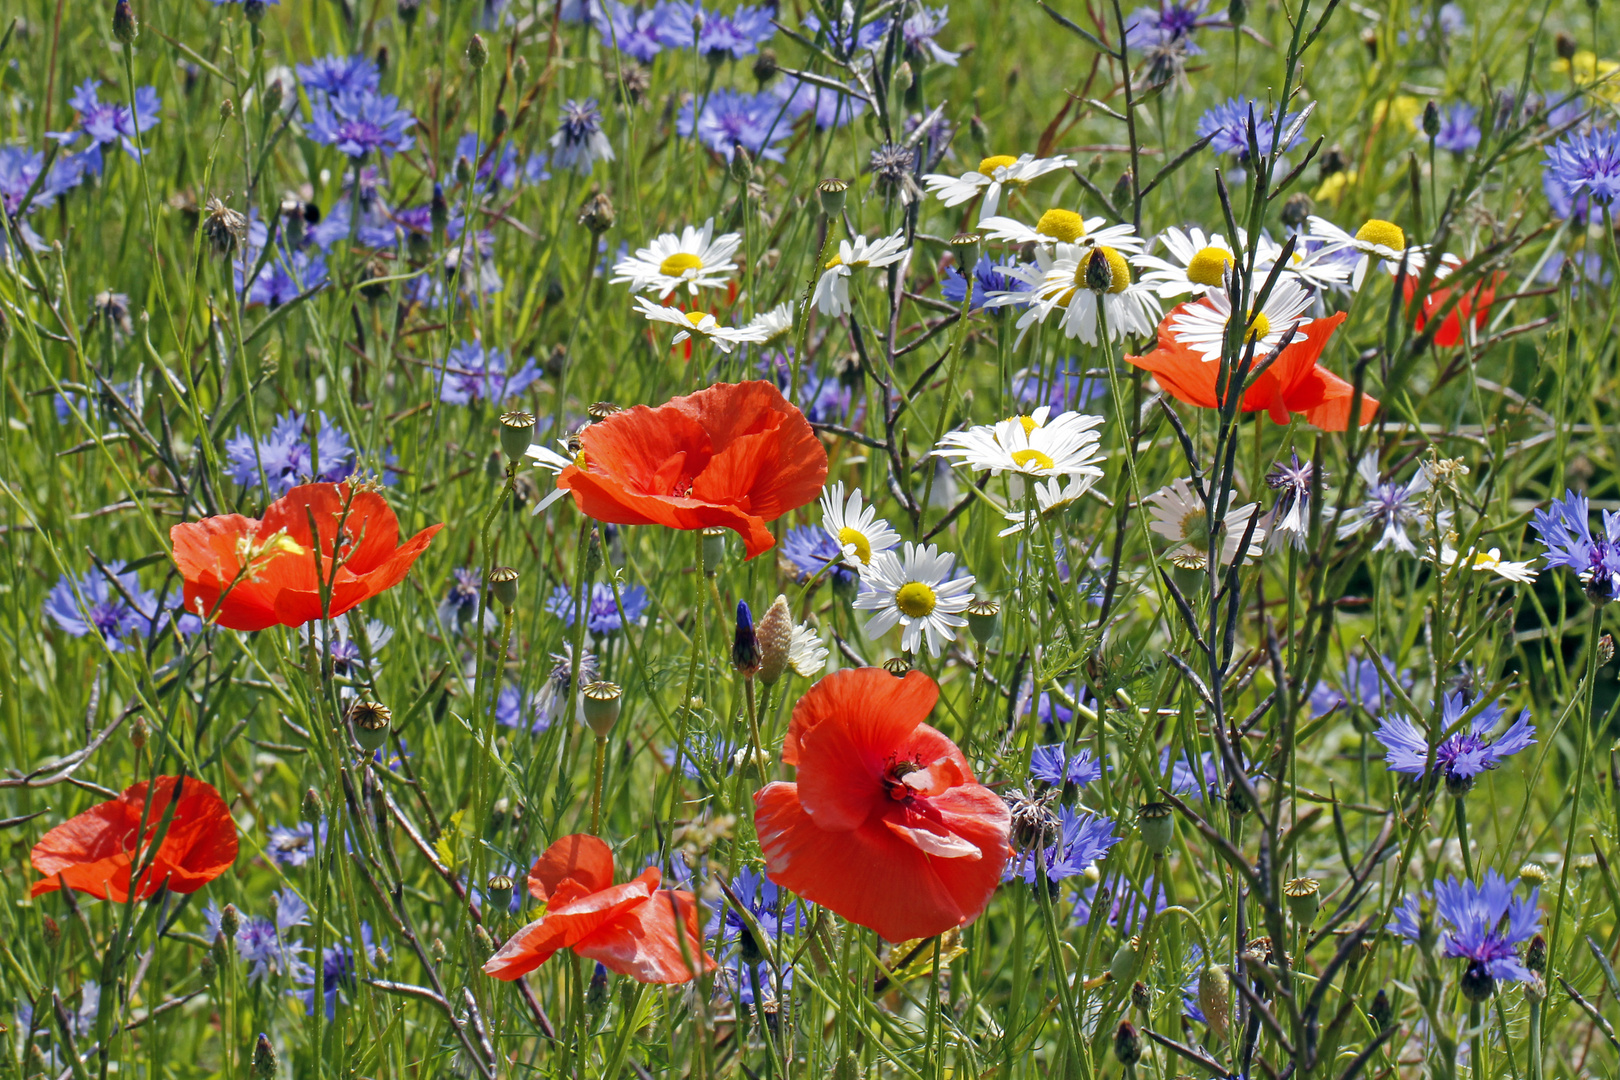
(1081, 280)
(700, 324)
(994, 174)
(695, 259)
(831, 297)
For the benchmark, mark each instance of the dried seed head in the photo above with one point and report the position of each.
(601, 410)
(897, 665)
(596, 213)
(775, 640)
(224, 228)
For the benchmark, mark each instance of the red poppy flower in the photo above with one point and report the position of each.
(735, 455)
(263, 572)
(634, 928)
(1475, 304)
(1294, 383)
(885, 825)
(96, 852)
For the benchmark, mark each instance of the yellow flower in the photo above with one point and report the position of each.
(1587, 69)
(1405, 107)
(1333, 188)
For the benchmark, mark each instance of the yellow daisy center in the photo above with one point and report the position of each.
(916, 600)
(832, 262)
(1023, 458)
(696, 317)
(1383, 233)
(989, 165)
(1259, 327)
(1027, 421)
(1064, 225)
(1208, 266)
(1195, 529)
(863, 546)
(679, 263)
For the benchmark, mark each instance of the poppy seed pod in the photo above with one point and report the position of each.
(1158, 828)
(503, 582)
(500, 892)
(775, 636)
(371, 722)
(517, 433)
(1304, 899)
(601, 706)
(966, 247)
(897, 665)
(264, 1058)
(1127, 959)
(833, 192)
(745, 643)
(1215, 998)
(714, 549)
(981, 618)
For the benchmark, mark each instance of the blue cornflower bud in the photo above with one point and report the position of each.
(745, 645)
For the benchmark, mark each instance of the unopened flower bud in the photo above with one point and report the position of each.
(1533, 874)
(1565, 46)
(227, 108)
(1380, 1012)
(124, 27)
(602, 701)
(596, 213)
(438, 208)
(981, 618)
(593, 553)
(1127, 958)
(499, 123)
(1141, 997)
(220, 950)
(980, 131)
(254, 11)
(596, 992)
(139, 729)
(463, 169)
(904, 77)
(1431, 118)
(437, 951)
(714, 549)
(1127, 1044)
(517, 434)
(230, 921)
(1122, 191)
(1215, 998)
(264, 1058)
(1156, 825)
(51, 932)
(742, 166)
(520, 70)
(206, 967)
(477, 52)
(1099, 273)
(1535, 955)
(311, 807)
(1477, 983)
(1605, 649)
(1236, 12)
(503, 585)
(500, 892)
(833, 192)
(1297, 209)
(370, 721)
(484, 942)
(408, 11)
(745, 643)
(1536, 989)
(1304, 899)
(775, 640)
(765, 66)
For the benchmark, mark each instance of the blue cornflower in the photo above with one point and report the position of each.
(844, 39)
(1125, 905)
(1362, 687)
(284, 277)
(602, 616)
(92, 603)
(763, 898)
(1459, 128)
(1481, 924)
(822, 398)
(517, 710)
(333, 75)
(474, 373)
(918, 32)
(109, 122)
(359, 122)
(1082, 839)
(460, 604)
(1054, 765)
(20, 167)
(579, 142)
(832, 108)
(262, 943)
(1050, 707)
(1169, 24)
(1230, 124)
(291, 846)
(811, 550)
(1391, 508)
(1069, 387)
(637, 33)
(1588, 162)
(1184, 778)
(288, 457)
(730, 118)
(731, 36)
(988, 277)
(337, 973)
(492, 169)
(1566, 534)
(537, 168)
(1462, 756)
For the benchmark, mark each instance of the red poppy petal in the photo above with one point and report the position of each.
(645, 941)
(568, 923)
(870, 716)
(931, 841)
(912, 697)
(581, 858)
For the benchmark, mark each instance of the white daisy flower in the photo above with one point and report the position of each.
(1064, 447)
(776, 323)
(1062, 227)
(832, 291)
(1052, 496)
(1066, 281)
(699, 324)
(806, 654)
(1178, 514)
(1485, 562)
(1202, 327)
(694, 259)
(549, 461)
(918, 593)
(855, 528)
(993, 174)
(1377, 240)
(1323, 268)
(1195, 264)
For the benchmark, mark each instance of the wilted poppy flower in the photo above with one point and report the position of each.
(735, 455)
(255, 573)
(1293, 383)
(634, 928)
(96, 852)
(1475, 303)
(885, 825)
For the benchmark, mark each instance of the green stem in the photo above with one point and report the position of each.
(1583, 740)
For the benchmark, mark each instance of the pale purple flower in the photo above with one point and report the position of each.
(1478, 923)
(360, 122)
(1462, 756)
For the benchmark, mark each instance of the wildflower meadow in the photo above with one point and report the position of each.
(845, 539)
